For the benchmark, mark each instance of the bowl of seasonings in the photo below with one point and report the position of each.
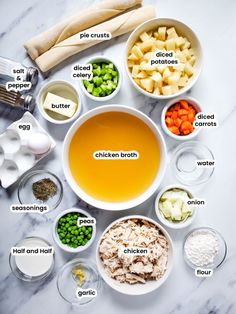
(173, 207)
(40, 187)
(70, 234)
(204, 247)
(106, 79)
(78, 282)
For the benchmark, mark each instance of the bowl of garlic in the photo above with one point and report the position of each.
(163, 58)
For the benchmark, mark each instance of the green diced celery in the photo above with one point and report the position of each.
(90, 88)
(86, 83)
(107, 76)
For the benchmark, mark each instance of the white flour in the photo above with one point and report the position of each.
(201, 248)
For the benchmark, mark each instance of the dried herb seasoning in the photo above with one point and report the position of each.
(44, 189)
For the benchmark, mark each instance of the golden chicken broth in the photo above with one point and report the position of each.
(114, 180)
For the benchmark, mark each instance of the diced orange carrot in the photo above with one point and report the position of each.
(184, 118)
(186, 132)
(182, 112)
(175, 115)
(168, 114)
(177, 106)
(191, 116)
(174, 130)
(169, 121)
(177, 122)
(186, 125)
(184, 104)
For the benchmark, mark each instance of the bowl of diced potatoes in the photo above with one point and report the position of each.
(163, 58)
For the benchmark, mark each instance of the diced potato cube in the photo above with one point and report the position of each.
(170, 44)
(171, 33)
(144, 36)
(155, 35)
(143, 65)
(166, 90)
(160, 44)
(186, 44)
(147, 45)
(171, 30)
(183, 81)
(132, 57)
(180, 56)
(138, 53)
(135, 70)
(175, 89)
(188, 69)
(179, 41)
(186, 54)
(142, 74)
(148, 56)
(161, 67)
(158, 84)
(162, 33)
(156, 77)
(173, 78)
(166, 74)
(156, 91)
(179, 67)
(147, 84)
(130, 63)
(192, 60)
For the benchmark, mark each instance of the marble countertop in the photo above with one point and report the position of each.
(214, 22)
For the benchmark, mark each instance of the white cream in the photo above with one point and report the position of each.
(34, 265)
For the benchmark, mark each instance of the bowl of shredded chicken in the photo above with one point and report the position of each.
(135, 255)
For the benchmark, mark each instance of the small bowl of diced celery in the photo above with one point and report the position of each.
(174, 207)
(105, 82)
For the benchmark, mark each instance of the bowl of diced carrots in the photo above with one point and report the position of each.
(178, 118)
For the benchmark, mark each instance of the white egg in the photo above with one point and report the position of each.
(39, 143)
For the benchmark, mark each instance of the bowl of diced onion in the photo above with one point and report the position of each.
(163, 58)
(172, 208)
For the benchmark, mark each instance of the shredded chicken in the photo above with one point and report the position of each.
(132, 269)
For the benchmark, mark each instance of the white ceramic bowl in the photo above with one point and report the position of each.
(112, 205)
(139, 288)
(115, 92)
(192, 102)
(166, 222)
(65, 89)
(182, 30)
(64, 246)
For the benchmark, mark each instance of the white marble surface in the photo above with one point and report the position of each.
(214, 22)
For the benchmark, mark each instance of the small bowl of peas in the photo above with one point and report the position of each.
(106, 79)
(69, 235)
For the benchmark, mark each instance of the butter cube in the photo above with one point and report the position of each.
(60, 105)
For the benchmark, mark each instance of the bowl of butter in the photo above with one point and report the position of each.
(59, 102)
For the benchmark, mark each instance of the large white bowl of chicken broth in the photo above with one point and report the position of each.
(114, 157)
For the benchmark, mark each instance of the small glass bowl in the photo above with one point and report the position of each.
(219, 258)
(22, 276)
(25, 191)
(184, 165)
(67, 284)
